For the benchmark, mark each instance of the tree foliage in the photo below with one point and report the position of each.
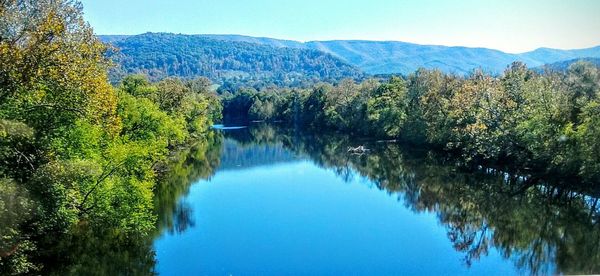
(538, 122)
(81, 151)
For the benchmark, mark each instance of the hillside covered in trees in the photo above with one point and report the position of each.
(160, 55)
(396, 57)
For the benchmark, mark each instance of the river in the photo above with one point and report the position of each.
(270, 201)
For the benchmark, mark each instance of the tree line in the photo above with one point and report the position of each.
(538, 123)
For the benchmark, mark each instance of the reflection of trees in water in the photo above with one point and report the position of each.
(544, 228)
(187, 166)
(182, 217)
(88, 249)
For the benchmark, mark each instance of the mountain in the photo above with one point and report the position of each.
(273, 42)
(160, 55)
(564, 65)
(113, 38)
(279, 43)
(547, 55)
(386, 57)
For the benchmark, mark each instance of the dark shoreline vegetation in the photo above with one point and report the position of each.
(91, 173)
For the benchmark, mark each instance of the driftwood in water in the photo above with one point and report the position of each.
(358, 150)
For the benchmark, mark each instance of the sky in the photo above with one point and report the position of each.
(509, 25)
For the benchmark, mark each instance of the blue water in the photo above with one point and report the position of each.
(294, 217)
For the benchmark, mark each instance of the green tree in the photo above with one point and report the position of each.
(84, 154)
(314, 106)
(387, 108)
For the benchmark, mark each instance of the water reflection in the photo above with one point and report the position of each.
(236, 155)
(541, 228)
(198, 161)
(27, 247)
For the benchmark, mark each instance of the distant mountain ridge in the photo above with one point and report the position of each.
(385, 57)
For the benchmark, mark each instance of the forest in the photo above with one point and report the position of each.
(161, 55)
(537, 123)
(80, 154)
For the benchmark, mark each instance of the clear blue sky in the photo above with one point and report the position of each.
(508, 25)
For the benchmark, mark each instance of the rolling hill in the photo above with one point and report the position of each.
(160, 55)
(381, 57)
(386, 57)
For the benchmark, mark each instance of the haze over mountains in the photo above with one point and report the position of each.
(287, 61)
